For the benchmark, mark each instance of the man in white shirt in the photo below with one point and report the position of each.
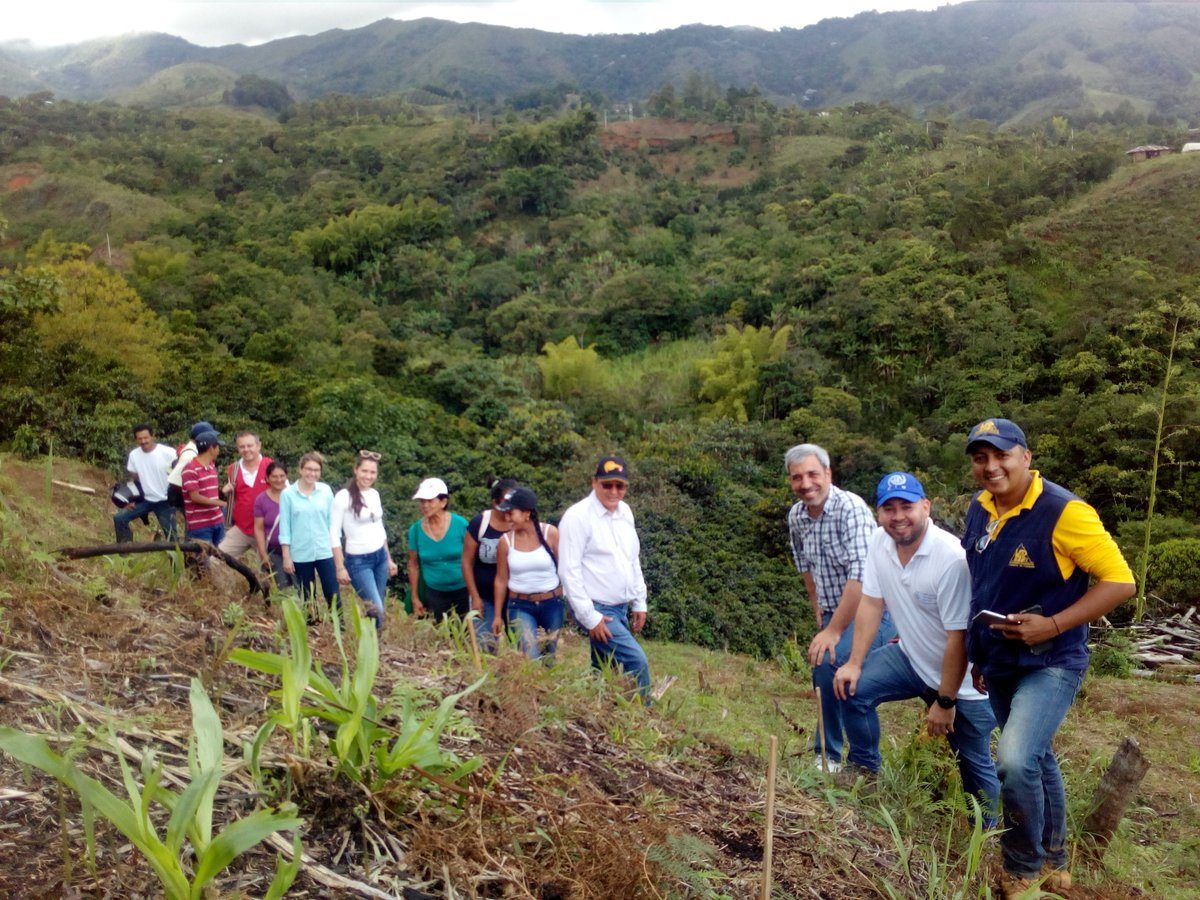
(601, 571)
(149, 463)
(920, 572)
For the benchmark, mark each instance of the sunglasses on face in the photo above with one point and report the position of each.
(370, 454)
(618, 486)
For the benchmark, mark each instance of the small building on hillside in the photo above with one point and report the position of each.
(1191, 148)
(1148, 151)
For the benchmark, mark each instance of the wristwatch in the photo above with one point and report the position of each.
(946, 702)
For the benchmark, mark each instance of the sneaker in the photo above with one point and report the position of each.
(1056, 880)
(834, 765)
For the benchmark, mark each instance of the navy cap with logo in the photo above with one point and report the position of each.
(207, 439)
(899, 485)
(1002, 434)
(612, 468)
(519, 497)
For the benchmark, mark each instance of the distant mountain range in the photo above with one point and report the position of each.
(1003, 61)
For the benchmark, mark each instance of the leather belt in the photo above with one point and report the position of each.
(536, 598)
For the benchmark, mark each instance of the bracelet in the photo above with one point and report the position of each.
(1056, 628)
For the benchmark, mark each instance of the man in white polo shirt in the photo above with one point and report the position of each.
(919, 572)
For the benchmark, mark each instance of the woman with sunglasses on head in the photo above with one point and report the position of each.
(266, 523)
(304, 513)
(527, 576)
(479, 560)
(435, 550)
(357, 517)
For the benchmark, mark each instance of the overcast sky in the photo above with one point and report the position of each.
(216, 22)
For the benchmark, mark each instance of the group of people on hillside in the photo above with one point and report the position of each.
(507, 565)
(988, 630)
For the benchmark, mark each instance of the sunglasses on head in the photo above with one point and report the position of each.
(370, 454)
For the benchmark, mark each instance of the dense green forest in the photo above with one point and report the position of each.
(515, 295)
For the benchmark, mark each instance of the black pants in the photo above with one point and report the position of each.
(442, 602)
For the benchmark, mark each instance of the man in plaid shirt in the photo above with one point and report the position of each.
(830, 530)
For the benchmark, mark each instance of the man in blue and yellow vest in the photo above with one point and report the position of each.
(1042, 562)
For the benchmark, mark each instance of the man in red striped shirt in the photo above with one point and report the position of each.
(203, 508)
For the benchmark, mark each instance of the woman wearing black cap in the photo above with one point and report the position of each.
(480, 547)
(527, 576)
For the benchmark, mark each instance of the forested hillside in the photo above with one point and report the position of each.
(1006, 62)
(515, 296)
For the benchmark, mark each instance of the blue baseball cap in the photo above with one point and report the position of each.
(1002, 434)
(199, 428)
(899, 486)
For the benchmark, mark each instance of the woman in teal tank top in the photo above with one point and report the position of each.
(435, 549)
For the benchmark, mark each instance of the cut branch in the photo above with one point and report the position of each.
(199, 548)
(1113, 795)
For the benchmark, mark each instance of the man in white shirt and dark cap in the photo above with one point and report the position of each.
(919, 571)
(601, 571)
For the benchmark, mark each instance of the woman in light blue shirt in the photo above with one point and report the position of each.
(304, 517)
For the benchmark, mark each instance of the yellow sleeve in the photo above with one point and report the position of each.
(1080, 539)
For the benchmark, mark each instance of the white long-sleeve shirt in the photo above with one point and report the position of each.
(599, 559)
(365, 532)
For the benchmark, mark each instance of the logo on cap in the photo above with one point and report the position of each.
(988, 427)
(611, 465)
(897, 481)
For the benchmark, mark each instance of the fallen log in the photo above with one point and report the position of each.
(1114, 793)
(83, 489)
(199, 548)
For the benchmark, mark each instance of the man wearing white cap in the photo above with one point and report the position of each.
(920, 572)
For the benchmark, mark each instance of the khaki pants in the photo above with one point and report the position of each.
(237, 542)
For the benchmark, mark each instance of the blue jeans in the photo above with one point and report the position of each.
(1030, 705)
(623, 649)
(368, 575)
(888, 675)
(162, 509)
(282, 579)
(307, 574)
(211, 533)
(483, 627)
(832, 709)
(527, 615)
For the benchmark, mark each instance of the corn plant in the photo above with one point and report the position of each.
(190, 811)
(367, 748)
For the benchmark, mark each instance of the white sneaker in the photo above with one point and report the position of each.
(834, 765)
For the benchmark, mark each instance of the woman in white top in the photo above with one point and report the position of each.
(527, 576)
(366, 563)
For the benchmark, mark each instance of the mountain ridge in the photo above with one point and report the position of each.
(1000, 62)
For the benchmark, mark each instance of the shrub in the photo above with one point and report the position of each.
(1173, 574)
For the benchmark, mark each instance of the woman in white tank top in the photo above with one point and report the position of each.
(527, 577)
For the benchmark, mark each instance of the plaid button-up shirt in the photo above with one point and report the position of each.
(832, 546)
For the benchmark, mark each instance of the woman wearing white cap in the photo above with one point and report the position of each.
(435, 548)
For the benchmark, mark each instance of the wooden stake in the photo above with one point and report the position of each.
(478, 657)
(1114, 793)
(75, 487)
(769, 832)
(821, 731)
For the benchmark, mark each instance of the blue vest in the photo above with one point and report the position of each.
(1018, 570)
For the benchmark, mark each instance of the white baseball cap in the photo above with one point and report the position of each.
(431, 489)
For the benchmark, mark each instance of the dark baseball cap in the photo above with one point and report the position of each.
(1002, 434)
(207, 439)
(199, 428)
(519, 497)
(612, 468)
